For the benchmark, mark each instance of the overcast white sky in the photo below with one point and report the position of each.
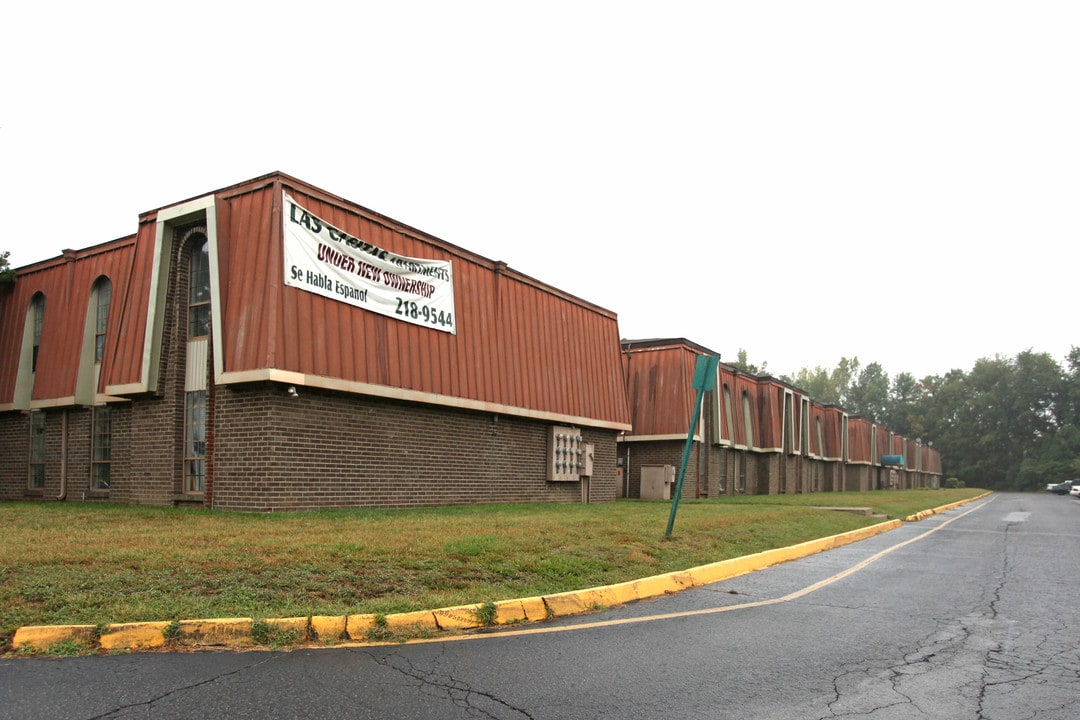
(893, 181)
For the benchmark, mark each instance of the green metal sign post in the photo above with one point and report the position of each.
(704, 381)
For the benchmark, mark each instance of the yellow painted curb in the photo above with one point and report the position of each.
(573, 602)
(43, 637)
(215, 631)
(656, 585)
(934, 511)
(534, 608)
(462, 617)
(576, 602)
(421, 618)
(134, 636)
(509, 611)
(725, 569)
(624, 592)
(296, 625)
(328, 628)
(357, 627)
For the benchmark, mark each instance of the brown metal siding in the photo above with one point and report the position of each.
(770, 397)
(746, 384)
(859, 431)
(660, 389)
(933, 461)
(797, 444)
(817, 418)
(726, 380)
(882, 444)
(832, 432)
(519, 343)
(123, 365)
(66, 283)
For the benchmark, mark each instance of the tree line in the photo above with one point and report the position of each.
(1010, 423)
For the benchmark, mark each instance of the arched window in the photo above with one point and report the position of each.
(196, 397)
(37, 317)
(102, 298)
(199, 289)
(29, 352)
(748, 423)
(728, 413)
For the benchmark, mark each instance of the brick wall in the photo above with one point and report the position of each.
(14, 454)
(326, 449)
(67, 455)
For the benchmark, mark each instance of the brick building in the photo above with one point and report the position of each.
(271, 346)
(755, 435)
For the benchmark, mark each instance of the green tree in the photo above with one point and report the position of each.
(1068, 405)
(816, 383)
(7, 273)
(746, 366)
(831, 387)
(902, 404)
(869, 393)
(998, 426)
(1008, 423)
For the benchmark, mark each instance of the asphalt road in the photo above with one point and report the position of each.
(968, 614)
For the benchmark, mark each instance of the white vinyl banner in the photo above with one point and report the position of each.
(323, 260)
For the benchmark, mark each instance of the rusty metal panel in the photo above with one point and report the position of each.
(660, 387)
(747, 411)
(798, 444)
(832, 420)
(725, 397)
(519, 342)
(66, 283)
(123, 362)
(817, 429)
(770, 396)
(932, 463)
(859, 432)
(882, 444)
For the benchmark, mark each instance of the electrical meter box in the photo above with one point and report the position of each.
(566, 455)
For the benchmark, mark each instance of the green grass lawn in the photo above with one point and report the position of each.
(64, 563)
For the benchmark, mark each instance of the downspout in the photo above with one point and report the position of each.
(70, 258)
(63, 454)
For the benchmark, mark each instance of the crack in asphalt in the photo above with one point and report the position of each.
(967, 647)
(995, 602)
(439, 683)
(149, 704)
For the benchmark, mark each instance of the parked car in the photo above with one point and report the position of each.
(1075, 489)
(1064, 488)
